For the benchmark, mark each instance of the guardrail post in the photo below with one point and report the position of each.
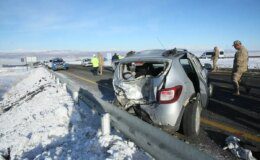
(64, 86)
(76, 96)
(58, 81)
(105, 124)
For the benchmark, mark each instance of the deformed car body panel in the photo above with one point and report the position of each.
(143, 90)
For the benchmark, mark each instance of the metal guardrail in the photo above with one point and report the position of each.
(157, 143)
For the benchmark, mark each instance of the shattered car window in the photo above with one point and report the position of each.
(135, 70)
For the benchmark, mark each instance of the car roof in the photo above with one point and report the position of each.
(156, 54)
(57, 59)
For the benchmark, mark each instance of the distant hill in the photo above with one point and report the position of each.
(75, 53)
(228, 53)
(55, 53)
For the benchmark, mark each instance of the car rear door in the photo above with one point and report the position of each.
(202, 75)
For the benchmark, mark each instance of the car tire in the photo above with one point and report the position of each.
(191, 117)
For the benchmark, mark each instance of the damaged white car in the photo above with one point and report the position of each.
(163, 87)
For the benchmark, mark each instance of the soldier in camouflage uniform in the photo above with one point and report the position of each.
(214, 58)
(239, 65)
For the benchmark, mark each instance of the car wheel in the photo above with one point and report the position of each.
(191, 117)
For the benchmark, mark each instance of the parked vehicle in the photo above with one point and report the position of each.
(86, 62)
(163, 87)
(58, 63)
(211, 53)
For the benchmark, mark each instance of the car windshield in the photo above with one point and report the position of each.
(58, 60)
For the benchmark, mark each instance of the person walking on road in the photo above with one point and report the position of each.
(100, 63)
(214, 58)
(240, 65)
(94, 61)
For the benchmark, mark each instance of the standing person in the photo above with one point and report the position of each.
(100, 63)
(214, 58)
(115, 57)
(94, 61)
(240, 65)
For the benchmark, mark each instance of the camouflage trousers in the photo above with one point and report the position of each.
(236, 78)
(215, 64)
(100, 70)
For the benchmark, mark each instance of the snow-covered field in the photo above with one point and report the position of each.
(254, 63)
(9, 77)
(41, 121)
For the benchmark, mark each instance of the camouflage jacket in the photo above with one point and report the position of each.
(240, 60)
(100, 60)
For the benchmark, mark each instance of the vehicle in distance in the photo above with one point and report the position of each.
(211, 53)
(86, 62)
(58, 63)
(164, 87)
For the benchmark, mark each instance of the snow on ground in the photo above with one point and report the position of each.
(44, 123)
(9, 77)
(254, 63)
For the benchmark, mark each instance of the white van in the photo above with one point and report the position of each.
(209, 54)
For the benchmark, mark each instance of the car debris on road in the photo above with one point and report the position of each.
(232, 143)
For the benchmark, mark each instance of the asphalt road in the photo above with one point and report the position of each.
(225, 115)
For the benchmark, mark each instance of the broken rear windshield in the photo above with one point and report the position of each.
(134, 70)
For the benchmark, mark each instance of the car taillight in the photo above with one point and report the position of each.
(169, 95)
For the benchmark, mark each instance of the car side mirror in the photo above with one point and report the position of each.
(208, 66)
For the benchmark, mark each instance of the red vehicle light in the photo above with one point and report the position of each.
(169, 95)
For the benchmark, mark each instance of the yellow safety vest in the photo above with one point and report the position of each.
(94, 62)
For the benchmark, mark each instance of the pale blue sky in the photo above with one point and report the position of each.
(127, 24)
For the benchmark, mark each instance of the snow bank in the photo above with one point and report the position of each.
(44, 123)
(9, 77)
(254, 63)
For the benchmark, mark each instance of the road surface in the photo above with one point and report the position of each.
(225, 115)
